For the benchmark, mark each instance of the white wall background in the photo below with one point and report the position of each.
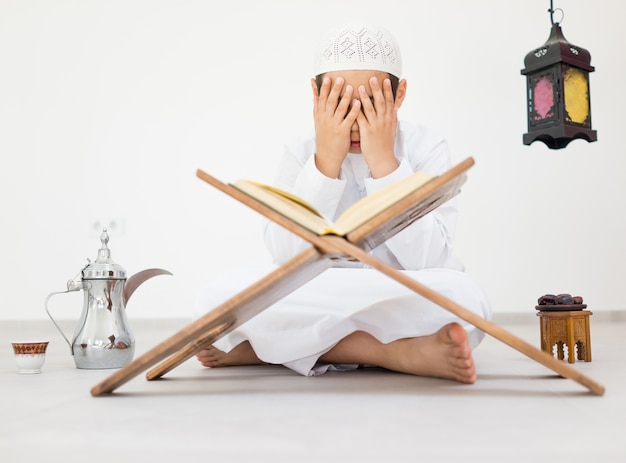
(108, 107)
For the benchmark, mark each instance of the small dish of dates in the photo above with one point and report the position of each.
(566, 302)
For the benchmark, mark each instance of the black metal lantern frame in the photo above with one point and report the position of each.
(557, 83)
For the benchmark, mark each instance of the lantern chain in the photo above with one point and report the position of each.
(552, 11)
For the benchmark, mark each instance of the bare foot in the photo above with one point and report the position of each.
(242, 354)
(445, 354)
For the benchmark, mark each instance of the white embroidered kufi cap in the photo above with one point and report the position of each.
(358, 47)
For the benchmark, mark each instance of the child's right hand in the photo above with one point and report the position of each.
(334, 114)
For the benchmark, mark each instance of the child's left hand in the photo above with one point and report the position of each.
(378, 121)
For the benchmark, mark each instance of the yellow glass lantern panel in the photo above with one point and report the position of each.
(576, 90)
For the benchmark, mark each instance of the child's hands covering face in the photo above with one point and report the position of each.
(349, 119)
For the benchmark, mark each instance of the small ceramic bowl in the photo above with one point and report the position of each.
(29, 356)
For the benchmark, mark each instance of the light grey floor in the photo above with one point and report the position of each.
(518, 411)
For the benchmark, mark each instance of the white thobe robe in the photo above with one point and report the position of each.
(301, 327)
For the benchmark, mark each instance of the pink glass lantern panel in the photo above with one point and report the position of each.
(543, 98)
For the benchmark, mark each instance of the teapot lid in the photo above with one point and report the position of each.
(104, 267)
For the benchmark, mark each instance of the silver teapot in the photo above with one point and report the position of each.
(103, 338)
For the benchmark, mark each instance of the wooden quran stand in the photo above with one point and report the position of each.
(323, 253)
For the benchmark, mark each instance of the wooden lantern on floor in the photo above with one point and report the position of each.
(558, 104)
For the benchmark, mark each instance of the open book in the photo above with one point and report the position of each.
(303, 213)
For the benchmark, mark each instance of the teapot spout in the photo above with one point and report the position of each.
(138, 278)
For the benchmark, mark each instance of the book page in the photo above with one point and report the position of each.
(287, 204)
(291, 197)
(372, 205)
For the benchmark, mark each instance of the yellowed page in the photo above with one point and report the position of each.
(370, 206)
(290, 196)
(286, 204)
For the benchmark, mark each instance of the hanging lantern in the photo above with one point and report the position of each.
(557, 82)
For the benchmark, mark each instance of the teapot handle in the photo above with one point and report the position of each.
(72, 285)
